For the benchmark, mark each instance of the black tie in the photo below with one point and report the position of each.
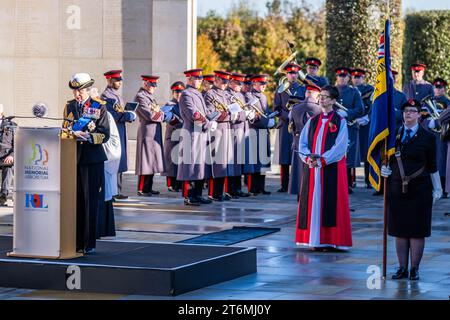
(408, 135)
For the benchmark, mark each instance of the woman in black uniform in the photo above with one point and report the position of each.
(413, 186)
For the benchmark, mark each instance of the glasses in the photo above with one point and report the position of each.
(323, 96)
(410, 111)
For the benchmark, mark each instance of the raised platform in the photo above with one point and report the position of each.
(131, 268)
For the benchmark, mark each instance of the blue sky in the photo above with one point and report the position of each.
(221, 6)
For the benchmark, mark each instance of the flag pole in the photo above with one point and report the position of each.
(385, 213)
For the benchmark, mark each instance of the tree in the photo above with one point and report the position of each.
(207, 58)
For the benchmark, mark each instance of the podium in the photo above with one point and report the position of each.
(45, 188)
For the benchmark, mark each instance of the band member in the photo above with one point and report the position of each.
(418, 88)
(366, 91)
(122, 117)
(442, 103)
(194, 138)
(247, 85)
(259, 139)
(7, 130)
(149, 145)
(239, 132)
(284, 137)
(312, 69)
(323, 215)
(217, 100)
(298, 117)
(171, 138)
(91, 130)
(413, 187)
(350, 98)
(444, 123)
(208, 83)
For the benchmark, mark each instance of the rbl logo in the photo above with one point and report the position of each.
(35, 201)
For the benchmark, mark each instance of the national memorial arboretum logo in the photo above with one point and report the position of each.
(36, 167)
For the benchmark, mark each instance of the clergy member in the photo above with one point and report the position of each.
(323, 222)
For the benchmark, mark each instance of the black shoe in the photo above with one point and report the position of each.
(350, 191)
(191, 202)
(120, 197)
(3, 199)
(254, 194)
(414, 274)
(377, 193)
(219, 199)
(171, 189)
(241, 194)
(203, 200)
(445, 195)
(401, 273)
(227, 197)
(144, 194)
(154, 192)
(282, 190)
(266, 192)
(89, 250)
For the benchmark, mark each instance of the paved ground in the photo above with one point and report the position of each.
(285, 271)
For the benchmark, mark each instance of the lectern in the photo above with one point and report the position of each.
(45, 187)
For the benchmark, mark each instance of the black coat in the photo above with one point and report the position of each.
(409, 214)
(7, 129)
(90, 153)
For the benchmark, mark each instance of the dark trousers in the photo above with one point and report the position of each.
(173, 182)
(119, 182)
(90, 199)
(145, 183)
(216, 187)
(366, 173)
(256, 182)
(284, 175)
(196, 191)
(349, 177)
(7, 178)
(234, 185)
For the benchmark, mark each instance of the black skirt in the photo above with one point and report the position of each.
(106, 225)
(409, 215)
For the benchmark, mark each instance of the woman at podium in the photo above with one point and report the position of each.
(90, 127)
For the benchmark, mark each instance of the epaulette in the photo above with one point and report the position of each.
(100, 101)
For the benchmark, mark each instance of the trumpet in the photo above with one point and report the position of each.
(235, 99)
(433, 110)
(220, 107)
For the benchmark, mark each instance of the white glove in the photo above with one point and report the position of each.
(290, 115)
(342, 113)
(437, 187)
(134, 115)
(213, 126)
(385, 171)
(432, 124)
(363, 120)
(234, 117)
(250, 115)
(271, 123)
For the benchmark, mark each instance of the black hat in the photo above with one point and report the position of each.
(342, 71)
(178, 86)
(114, 74)
(313, 61)
(439, 83)
(412, 103)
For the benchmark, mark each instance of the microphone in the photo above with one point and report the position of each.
(40, 110)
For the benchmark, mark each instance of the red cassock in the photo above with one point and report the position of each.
(323, 217)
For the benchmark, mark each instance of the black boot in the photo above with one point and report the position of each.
(401, 273)
(414, 274)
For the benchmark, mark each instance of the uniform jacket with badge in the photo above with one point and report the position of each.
(171, 139)
(149, 145)
(193, 140)
(284, 137)
(115, 105)
(260, 136)
(94, 113)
